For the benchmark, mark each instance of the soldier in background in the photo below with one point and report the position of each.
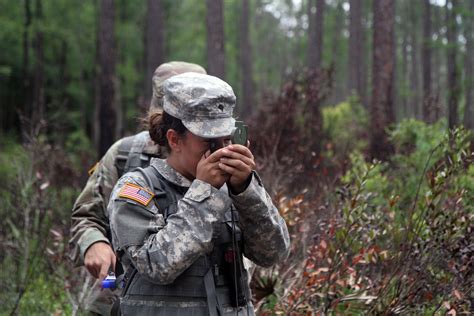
(90, 243)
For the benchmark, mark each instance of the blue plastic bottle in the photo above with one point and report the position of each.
(109, 282)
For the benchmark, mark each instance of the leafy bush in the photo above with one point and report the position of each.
(35, 219)
(398, 241)
(286, 133)
(344, 127)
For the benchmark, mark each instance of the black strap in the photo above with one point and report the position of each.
(115, 311)
(127, 278)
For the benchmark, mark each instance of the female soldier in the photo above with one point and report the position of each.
(182, 225)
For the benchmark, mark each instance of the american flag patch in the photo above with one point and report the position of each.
(136, 193)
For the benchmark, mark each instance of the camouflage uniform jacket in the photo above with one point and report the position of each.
(90, 223)
(163, 250)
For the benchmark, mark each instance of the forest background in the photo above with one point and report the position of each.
(360, 115)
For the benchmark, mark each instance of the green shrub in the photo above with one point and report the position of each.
(344, 127)
(35, 219)
(400, 239)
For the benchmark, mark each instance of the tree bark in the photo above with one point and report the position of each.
(338, 28)
(215, 38)
(426, 60)
(404, 98)
(453, 84)
(246, 62)
(26, 111)
(414, 53)
(38, 85)
(26, 46)
(154, 43)
(468, 68)
(438, 56)
(356, 79)
(382, 114)
(315, 33)
(107, 59)
(311, 47)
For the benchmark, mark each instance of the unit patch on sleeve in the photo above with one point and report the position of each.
(136, 193)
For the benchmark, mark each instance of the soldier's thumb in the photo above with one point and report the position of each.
(104, 271)
(114, 261)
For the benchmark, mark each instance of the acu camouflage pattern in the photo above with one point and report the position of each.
(90, 223)
(162, 250)
(203, 103)
(89, 217)
(165, 71)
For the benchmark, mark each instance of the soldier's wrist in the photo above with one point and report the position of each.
(237, 189)
(90, 237)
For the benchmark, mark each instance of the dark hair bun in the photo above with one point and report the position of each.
(158, 125)
(156, 129)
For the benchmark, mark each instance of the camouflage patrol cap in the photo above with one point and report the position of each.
(203, 103)
(165, 71)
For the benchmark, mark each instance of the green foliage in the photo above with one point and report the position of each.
(400, 239)
(35, 210)
(344, 126)
(418, 148)
(44, 293)
(186, 36)
(77, 142)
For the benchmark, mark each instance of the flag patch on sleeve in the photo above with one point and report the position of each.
(136, 193)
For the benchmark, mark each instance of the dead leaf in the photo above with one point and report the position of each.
(323, 244)
(44, 186)
(457, 294)
(452, 312)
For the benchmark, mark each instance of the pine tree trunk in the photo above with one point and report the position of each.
(356, 79)
(426, 60)
(96, 121)
(315, 34)
(154, 43)
(247, 103)
(26, 51)
(438, 56)
(26, 110)
(404, 99)
(215, 38)
(414, 77)
(338, 28)
(107, 59)
(468, 68)
(38, 85)
(453, 84)
(382, 114)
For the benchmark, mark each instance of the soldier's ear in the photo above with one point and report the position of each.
(174, 140)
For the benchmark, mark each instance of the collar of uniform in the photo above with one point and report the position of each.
(169, 173)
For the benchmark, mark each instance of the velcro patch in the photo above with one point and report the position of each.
(136, 193)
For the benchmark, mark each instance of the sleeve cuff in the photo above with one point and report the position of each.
(198, 191)
(89, 237)
(251, 195)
